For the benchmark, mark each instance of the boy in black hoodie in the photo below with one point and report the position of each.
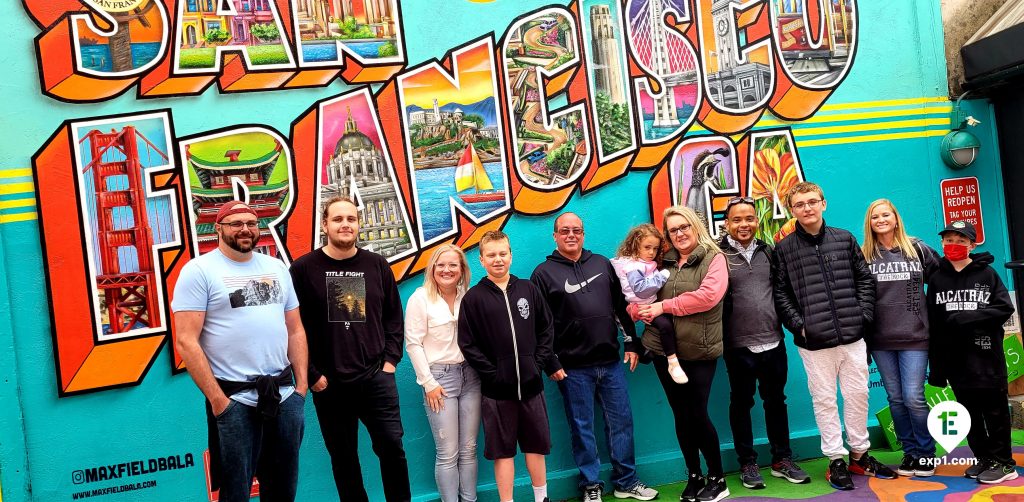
(505, 333)
(967, 306)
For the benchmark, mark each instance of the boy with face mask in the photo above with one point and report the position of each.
(967, 306)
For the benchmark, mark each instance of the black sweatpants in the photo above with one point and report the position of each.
(990, 423)
(689, 401)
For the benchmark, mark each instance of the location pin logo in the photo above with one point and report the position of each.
(949, 422)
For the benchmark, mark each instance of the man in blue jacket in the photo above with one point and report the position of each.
(505, 335)
(588, 307)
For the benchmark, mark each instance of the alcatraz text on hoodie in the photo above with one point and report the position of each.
(966, 312)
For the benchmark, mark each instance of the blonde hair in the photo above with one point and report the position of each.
(803, 187)
(872, 248)
(630, 246)
(430, 285)
(696, 223)
(494, 235)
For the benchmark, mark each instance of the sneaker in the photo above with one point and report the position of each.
(925, 467)
(694, 484)
(676, 372)
(592, 493)
(714, 490)
(838, 475)
(788, 470)
(639, 491)
(867, 465)
(750, 475)
(997, 473)
(981, 465)
(908, 466)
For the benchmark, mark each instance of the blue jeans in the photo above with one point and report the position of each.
(903, 377)
(455, 430)
(607, 384)
(250, 445)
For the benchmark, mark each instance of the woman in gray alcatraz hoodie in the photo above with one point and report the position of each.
(898, 337)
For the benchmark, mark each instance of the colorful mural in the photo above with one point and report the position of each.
(441, 124)
(549, 146)
(355, 162)
(134, 41)
(668, 98)
(362, 30)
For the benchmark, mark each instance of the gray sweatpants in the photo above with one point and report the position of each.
(849, 365)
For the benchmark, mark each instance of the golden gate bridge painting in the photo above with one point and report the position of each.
(123, 221)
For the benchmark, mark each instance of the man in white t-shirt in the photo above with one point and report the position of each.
(238, 330)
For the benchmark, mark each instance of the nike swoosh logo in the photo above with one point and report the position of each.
(572, 288)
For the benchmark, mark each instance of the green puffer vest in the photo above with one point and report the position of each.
(699, 335)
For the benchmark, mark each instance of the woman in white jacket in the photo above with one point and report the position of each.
(451, 388)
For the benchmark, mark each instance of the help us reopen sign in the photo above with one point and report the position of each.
(961, 200)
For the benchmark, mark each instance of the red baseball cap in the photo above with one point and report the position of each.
(232, 207)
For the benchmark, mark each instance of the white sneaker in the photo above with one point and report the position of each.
(676, 372)
(639, 491)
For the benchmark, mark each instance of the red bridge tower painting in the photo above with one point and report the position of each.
(124, 238)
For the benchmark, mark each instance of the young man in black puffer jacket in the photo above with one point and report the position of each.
(825, 295)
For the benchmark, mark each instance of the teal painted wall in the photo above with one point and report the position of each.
(44, 439)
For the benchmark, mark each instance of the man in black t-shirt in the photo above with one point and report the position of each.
(352, 312)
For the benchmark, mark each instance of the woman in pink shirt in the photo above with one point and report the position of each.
(698, 279)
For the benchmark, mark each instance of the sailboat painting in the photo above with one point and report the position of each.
(470, 174)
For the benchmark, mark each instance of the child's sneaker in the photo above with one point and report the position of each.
(867, 465)
(925, 467)
(838, 475)
(788, 470)
(714, 490)
(750, 476)
(676, 371)
(981, 465)
(694, 484)
(907, 466)
(997, 473)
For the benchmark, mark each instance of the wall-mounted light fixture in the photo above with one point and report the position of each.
(959, 147)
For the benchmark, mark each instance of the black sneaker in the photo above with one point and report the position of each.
(838, 475)
(788, 470)
(981, 465)
(867, 465)
(714, 490)
(694, 484)
(925, 467)
(996, 473)
(908, 466)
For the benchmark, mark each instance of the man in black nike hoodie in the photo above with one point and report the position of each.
(586, 302)
(967, 306)
(505, 333)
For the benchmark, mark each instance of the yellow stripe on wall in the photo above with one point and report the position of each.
(11, 218)
(871, 137)
(15, 173)
(12, 188)
(10, 204)
(873, 126)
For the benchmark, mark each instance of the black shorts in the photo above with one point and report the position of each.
(507, 421)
